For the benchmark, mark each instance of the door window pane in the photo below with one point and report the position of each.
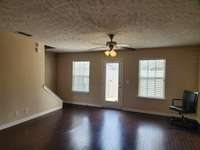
(112, 82)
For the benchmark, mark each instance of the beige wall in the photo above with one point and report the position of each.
(199, 91)
(22, 79)
(181, 73)
(50, 70)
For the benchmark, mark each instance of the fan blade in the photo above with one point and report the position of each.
(97, 48)
(129, 48)
(123, 45)
(99, 44)
(126, 48)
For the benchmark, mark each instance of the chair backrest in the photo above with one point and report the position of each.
(190, 101)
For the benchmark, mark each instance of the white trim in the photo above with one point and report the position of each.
(122, 108)
(151, 98)
(82, 103)
(149, 112)
(51, 92)
(132, 110)
(157, 113)
(4, 126)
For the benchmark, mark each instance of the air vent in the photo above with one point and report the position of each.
(23, 33)
(48, 47)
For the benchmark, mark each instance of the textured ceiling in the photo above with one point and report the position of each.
(75, 25)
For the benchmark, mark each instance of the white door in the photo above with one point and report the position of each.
(112, 83)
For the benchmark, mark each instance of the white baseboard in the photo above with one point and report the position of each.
(51, 92)
(122, 108)
(81, 103)
(149, 112)
(132, 110)
(4, 126)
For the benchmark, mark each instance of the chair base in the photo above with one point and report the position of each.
(184, 123)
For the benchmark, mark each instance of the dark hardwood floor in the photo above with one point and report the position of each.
(87, 128)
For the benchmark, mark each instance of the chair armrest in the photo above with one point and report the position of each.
(174, 100)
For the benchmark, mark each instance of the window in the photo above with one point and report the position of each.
(152, 78)
(81, 72)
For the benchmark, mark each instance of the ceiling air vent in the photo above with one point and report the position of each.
(23, 33)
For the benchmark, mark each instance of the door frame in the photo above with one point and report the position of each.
(121, 83)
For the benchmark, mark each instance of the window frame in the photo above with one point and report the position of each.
(77, 91)
(164, 86)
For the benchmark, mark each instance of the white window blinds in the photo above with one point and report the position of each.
(152, 78)
(81, 72)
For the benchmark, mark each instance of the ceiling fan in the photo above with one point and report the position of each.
(112, 46)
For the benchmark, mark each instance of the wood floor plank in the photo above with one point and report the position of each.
(87, 128)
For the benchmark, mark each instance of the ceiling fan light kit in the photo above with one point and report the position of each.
(111, 47)
(107, 53)
(111, 53)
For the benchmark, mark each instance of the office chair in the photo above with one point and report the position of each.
(188, 105)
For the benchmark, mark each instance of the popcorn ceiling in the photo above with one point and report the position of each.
(78, 25)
